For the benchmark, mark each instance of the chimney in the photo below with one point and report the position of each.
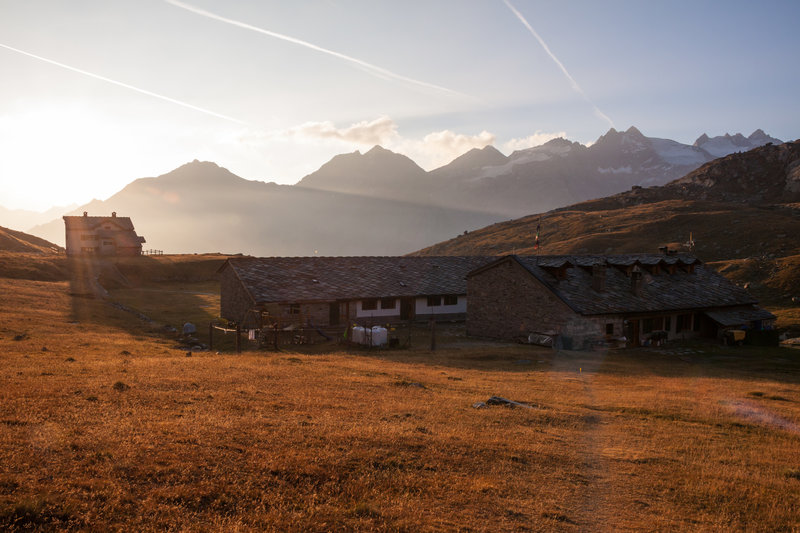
(86, 213)
(599, 276)
(113, 214)
(636, 281)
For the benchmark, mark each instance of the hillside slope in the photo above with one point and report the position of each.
(17, 241)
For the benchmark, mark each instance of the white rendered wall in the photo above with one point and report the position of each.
(423, 309)
(361, 313)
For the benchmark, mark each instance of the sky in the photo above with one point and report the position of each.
(97, 93)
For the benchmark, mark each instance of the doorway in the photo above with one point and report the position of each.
(333, 314)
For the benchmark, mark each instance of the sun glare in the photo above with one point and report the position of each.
(48, 147)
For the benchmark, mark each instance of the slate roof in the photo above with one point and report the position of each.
(739, 316)
(305, 279)
(92, 223)
(702, 288)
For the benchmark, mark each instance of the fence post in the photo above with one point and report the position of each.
(238, 338)
(433, 334)
(210, 336)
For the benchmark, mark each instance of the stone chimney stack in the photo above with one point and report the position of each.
(636, 281)
(599, 276)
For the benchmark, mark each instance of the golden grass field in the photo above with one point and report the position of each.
(106, 425)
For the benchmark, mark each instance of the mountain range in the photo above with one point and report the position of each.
(742, 206)
(557, 173)
(201, 207)
(382, 203)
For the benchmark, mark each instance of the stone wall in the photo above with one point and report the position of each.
(235, 302)
(506, 302)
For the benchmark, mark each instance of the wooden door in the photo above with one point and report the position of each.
(632, 333)
(333, 315)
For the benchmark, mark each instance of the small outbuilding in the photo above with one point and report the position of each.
(638, 299)
(329, 291)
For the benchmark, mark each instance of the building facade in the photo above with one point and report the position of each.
(331, 291)
(105, 236)
(637, 299)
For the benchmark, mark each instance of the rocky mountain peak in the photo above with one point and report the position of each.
(723, 145)
(477, 158)
(197, 172)
(634, 131)
(378, 150)
(631, 140)
(701, 140)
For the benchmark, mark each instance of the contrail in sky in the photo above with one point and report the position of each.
(557, 62)
(119, 83)
(379, 71)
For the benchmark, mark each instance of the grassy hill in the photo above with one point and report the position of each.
(17, 241)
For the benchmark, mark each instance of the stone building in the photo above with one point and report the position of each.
(112, 235)
(329, 291)
(637, 298)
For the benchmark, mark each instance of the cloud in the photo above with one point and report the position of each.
(372, 69)
(125, 85)
(431, 151)
(440, 147)
(561, 66)
(530, 141)
(450, 141)
(379, 131)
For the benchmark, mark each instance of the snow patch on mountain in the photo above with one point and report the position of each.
(620, 170)
(676, 153)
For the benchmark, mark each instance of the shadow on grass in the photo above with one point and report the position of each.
(145, 295)
(685, 359)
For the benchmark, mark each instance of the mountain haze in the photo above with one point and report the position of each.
(380, 202)
(201, 207)
(23, 219)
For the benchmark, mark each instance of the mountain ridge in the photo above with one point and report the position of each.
(380, 202)
(744, 205)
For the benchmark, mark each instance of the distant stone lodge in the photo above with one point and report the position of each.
(637, 298)
(107, 236)
(331, 291)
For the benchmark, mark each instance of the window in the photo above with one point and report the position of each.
(88, 237)
(668, 323)
(108, 243)
(87, 250)
(610, 329)
(388, 303)
(450, 299)
(683, 322)
(370, 304)
(294, 309)
(434, 301)
(647, 325)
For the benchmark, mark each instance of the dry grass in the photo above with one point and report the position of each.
(111, 428)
